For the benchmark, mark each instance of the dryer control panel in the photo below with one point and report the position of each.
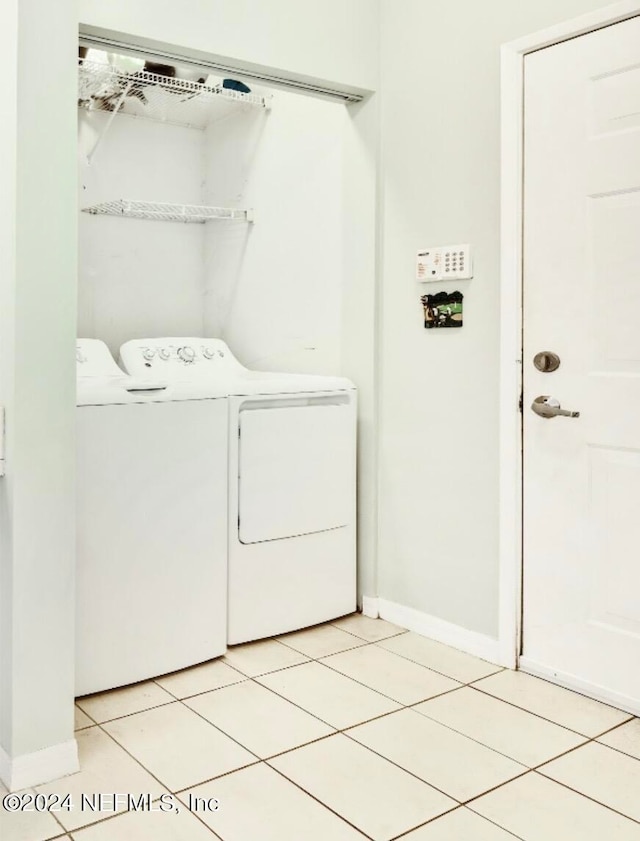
(179, 358)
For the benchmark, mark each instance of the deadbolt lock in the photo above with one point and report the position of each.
(546, 361)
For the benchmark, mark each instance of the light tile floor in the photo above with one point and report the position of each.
(351, 730)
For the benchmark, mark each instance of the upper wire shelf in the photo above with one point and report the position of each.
(167, 212)
(102, 87)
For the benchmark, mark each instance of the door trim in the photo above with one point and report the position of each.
(511, 253)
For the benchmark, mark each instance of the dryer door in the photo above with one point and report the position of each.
(296, 471)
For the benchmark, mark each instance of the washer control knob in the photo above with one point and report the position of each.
(148, 353)
(80, 357)
(208, 352)
(187, 354)
(220, 353)
(164, 353)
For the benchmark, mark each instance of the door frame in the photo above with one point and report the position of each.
(511, 321)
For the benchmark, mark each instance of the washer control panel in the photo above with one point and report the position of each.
(178, 358)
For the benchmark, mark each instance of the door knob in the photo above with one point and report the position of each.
(549, 407)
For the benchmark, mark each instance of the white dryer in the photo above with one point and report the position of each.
(151, 590)
(292, 484)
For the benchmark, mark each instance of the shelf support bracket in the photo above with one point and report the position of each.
(118, 105)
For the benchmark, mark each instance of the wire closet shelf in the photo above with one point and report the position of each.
(167, 212)
(102, 87)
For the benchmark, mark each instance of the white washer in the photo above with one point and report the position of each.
(151, 590)
(292, 484)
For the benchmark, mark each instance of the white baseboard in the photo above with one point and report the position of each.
(569, 681)
(436, 629)
(42, 766)
(370, 606)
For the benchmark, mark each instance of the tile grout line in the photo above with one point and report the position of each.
(437, 818)
(526, 769)
(342, 731)
(266, 760)
(313, 715)
(401, 706)
(243, 679)
(544, 718)
(324, 805)
(181, 791)
(90, 717)
(611, 747)
(360, 644)
(309, 659)
(571, 692)
(535, 769)
(137, 761)
(56, 819)
(280, 668)
(406, 770)
(197, 816)
(495, 788)
(116, 815)
(255, 679)
(219, 730)
(320, 661)
(498, 669)
(587, 796)
(551, 780)
(258, 759)
(154, 680)
(337, 730)
(399, 633)
(166, 703)
(425, 823)
(219, 659)
(483, 744)
(388, 697)
(617, 727)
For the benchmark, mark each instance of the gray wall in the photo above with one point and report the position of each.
(438, 515)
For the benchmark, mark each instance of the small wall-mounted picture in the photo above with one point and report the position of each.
(442, 310)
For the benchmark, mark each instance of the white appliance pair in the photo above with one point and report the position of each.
(256, 534)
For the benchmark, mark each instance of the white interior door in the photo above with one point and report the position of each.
(581, 589)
